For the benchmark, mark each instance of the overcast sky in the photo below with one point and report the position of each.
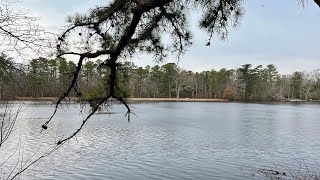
(278, 32)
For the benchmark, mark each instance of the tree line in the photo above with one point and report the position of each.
(44, 77)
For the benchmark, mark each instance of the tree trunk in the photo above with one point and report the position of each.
(169, 89)
(196, 91)
(1, 90)
(177, 89)
(317, 2)
(178, 94)
(140, 90)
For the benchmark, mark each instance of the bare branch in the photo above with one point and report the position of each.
(64, 95)
(93, 110)
(20, 33)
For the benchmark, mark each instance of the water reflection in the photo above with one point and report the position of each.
(170, 140)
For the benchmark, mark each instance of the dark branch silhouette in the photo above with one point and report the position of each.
(124, 28)
(20, 33)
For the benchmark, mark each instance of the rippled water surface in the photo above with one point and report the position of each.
(165, 141)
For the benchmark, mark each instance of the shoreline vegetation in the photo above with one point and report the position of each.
(75, 99)
(53, 99)
(50, 77)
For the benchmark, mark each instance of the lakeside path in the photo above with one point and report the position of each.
(129, 99)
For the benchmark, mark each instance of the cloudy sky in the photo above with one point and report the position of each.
(279, 32)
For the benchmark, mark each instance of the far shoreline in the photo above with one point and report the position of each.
(75, 99)
(137, 100)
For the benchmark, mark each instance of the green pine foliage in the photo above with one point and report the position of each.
(49, 77)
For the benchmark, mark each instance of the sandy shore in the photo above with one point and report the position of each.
(129, 99)
(175, 100)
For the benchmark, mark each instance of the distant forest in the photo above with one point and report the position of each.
(49, 78)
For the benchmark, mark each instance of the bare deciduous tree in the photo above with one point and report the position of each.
(7, 123)
(20, 33)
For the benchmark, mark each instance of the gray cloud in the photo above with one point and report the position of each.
(284, 35)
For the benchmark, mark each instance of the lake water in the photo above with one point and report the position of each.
(176, 140)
